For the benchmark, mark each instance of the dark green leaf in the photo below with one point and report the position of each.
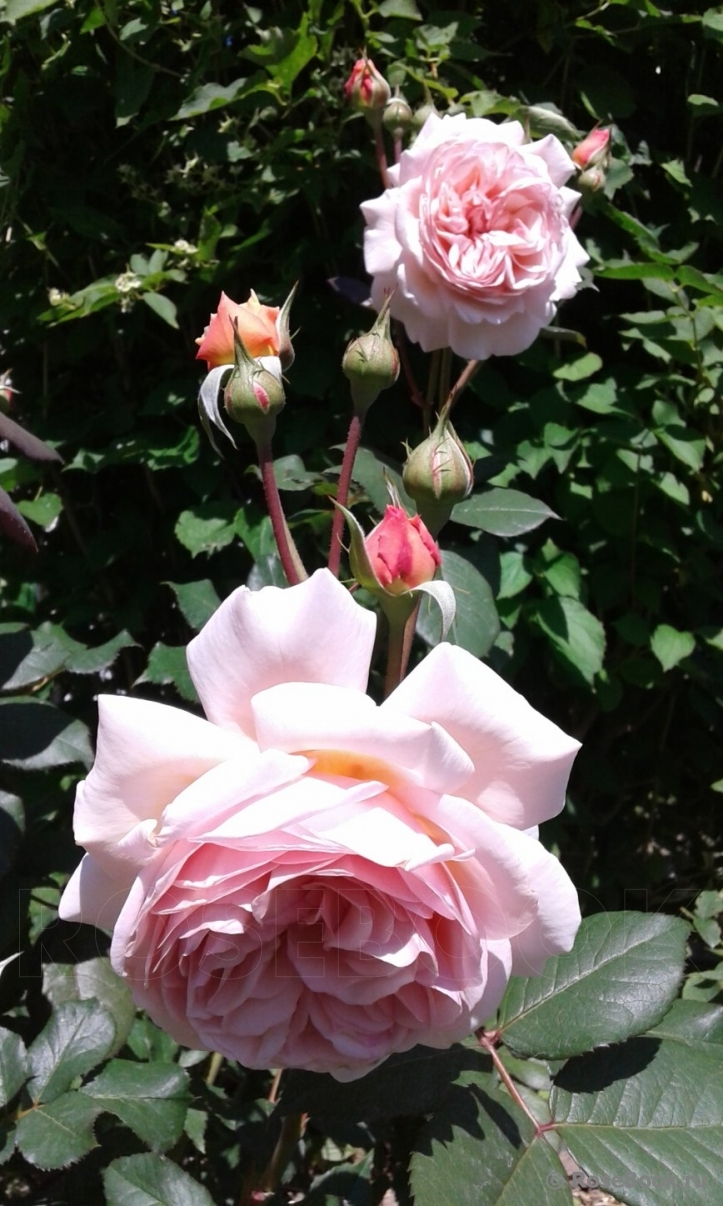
(163, 307)
(78, 1036)
(206, 528)
(502, 512)
(150, 1180)
(693, 1023)
(207, 97)
(576, 635)
(619, 979)
(58, 1134)
(92, 979)
(373, 473)
(13, 1065)
(151, 1099)
(197, 601)
(476, 625)
(480, 1150)
(35, 735)
(167, 664)
(646, 1119)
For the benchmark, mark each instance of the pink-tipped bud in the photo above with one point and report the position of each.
(254, 393)
(401, 552)
(593, 151)
(367, 90)
(438, 474)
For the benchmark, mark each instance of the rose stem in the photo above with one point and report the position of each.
(431, 391)
(488, 1040)
(401, 634)
(381, 156)
(292, 1129)
(461, 384)
(291, 562)
(342, 493)
(398, 148)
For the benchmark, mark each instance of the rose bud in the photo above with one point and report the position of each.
(257, 325)
(593, 151)
(254, 394)
(397, 118)
(438, 474)
(371, 362)
(401, 552)
(367, 90)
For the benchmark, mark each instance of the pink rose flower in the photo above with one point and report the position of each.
(257, 326)
(306, 879)
(401, 551)
(475, 236)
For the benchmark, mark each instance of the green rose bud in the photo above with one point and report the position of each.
(254, 394)
(438, 474)
(371, 362)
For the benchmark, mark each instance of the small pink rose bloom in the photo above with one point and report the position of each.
(401, 551)
(474, 236)
(306, 879)
(257, 326)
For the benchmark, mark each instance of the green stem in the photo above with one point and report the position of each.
(291, 562)
(291, 1131)
(402, 622)
(342, 493)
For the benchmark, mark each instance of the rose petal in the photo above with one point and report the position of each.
(522, 761)
(254, 641)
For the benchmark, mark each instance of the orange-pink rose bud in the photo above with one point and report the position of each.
(401, 552)
(257, 327)
(593, 151)
(366, 87)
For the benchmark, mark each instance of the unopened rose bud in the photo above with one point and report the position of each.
(254, 394)
(367, 90)
(371, 362)
(397, 117)
(593, 151)
(438, 474)
(401, 552)
(421, 114)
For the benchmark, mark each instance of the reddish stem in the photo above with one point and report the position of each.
(488, 1041)
(289, 563)
(381, 156)
(342, 493)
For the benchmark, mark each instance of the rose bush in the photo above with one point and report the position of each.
(305, 878)
(475, 236)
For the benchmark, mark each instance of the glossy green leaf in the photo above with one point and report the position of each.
(151, 1180)
(13, 1065)
(206, 528)
(92, 979)
(619, 979)
(502, 512)
(60, 1133)
(646, 1119)
(694, 1024)
(197, 601)
(671, 646)
(151, 1099)
(480, 1149)
(576, 635)
(476, 624)
(163, 307)
(167, 664)
(36, 735)
(79, 1035)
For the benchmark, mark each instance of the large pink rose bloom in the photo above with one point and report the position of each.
(475, 236)
(306, 879)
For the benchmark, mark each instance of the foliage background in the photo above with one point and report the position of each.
(154, 153)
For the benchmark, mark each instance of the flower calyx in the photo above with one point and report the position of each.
(371, 362)
(438, 474)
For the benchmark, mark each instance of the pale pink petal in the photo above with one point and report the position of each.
(306, 718)
(94, 897)
(147, 753)
(312, 633)
(522, 760)
(558, 913)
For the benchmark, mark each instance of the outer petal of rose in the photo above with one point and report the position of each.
(302, 717)
(558, 918)
(93, 896)
(312, 633)
(522, 760)
(381, 247)
(147, 753)
(559, 164)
